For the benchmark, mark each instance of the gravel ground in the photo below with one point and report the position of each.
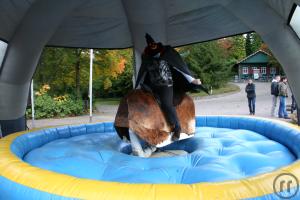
(226, 104)
(237, 103)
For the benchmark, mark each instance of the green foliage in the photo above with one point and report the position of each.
(123, 84)
(253, 43)
(118, 85)
(236, 51)
(227, 88)
(248, 46)
(44, 107)
(208, 62)
(67, 70)
(71, 107)
(273, 62)
(256, 42)
(234, 48)
(62, 106)
(57, 68)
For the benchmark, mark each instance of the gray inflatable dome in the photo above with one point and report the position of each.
(27, 26)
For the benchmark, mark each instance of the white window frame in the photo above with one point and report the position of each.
(245, 70)
(263, 70)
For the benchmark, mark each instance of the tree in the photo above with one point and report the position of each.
(234, 50)
(248, 45)
(256, 42)
(77, 73)
(113, 70)
(273, 62)
(207, 61)
(234, 47)
(66, 70)
(253, 43)
(237, 51)
(56, 67)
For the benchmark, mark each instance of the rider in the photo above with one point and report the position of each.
(164, 73)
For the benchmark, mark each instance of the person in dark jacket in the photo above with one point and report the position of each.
(167, 77)
(250, 90)
(274, 93)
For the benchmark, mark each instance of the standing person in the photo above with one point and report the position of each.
(283, 94)
(250, 90)
(274, 93)
(294, 104)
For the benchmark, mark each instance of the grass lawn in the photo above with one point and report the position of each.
(108, 101)
(229, 87)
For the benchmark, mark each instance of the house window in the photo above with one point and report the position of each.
(3, 47)
(273, 70)
(295, 19)
(245, 70)
(263, 70)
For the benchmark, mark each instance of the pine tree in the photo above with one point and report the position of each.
(208, 62)
(256, 42)
(248, 45)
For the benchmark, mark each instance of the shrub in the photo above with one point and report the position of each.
(61, 106)
(69, 107)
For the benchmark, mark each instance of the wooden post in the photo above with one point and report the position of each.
(91, 85)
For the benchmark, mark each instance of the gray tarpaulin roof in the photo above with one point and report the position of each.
(104, 23)
(29, 25)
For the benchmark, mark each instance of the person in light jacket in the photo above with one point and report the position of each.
(274, 93)
(283, 94)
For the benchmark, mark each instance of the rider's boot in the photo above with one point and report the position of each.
(176, 132)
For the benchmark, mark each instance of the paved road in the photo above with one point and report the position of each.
(226, 104)
(237, 104)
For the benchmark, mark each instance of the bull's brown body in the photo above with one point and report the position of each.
(140, 112)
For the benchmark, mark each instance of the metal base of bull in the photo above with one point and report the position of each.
(139, 112)
(168, 153)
